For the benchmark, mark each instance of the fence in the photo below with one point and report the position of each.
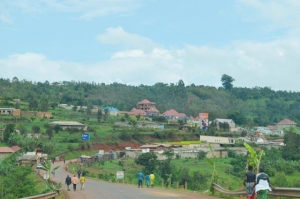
(276, 191)
(43, 196)
(88, 161)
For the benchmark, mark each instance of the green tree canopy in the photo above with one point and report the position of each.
(227, 81)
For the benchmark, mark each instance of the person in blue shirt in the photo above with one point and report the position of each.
(140, 176)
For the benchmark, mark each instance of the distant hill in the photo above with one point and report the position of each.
(251, 106)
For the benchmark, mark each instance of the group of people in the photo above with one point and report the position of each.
(74, 181)
(149, 179)
(257, 184)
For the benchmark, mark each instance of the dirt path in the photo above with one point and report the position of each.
(95, 189)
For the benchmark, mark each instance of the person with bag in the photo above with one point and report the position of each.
(262, 186)
(249, 183)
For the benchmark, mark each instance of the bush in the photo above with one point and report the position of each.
(71, 147)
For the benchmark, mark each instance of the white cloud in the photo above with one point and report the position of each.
(118, 36)
(273, 64)
(276, 14)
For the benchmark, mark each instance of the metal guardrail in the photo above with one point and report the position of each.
(43, 196)
(276, 191)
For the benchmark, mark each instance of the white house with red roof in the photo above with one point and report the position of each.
(286, 123)
(173, 114)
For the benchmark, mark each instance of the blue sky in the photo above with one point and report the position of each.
(147, 41)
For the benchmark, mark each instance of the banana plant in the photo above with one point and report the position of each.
(254, 158)
(49, 170)
(212, 162)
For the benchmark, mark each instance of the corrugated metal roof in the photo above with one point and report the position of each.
(70, 123)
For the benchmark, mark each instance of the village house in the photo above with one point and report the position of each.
(44, 114)
(172, 114)
(216, 140)
(10, 111)
(112, 111)
(4, 151)
(68, 124)
(286, 123)
(230, 122)
(148, 107)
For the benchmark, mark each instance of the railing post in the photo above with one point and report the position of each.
(227, 187)
(241, 196)
(215, 191)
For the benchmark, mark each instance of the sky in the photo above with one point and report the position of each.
(134, 42)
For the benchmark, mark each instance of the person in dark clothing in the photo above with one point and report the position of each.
(249, 182)
(68, 182)
(140, 176)
(79, 173)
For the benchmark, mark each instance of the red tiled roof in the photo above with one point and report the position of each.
(5, 149)
(153, 109)
(272, 127)
(173, 112)
(15, 148)
(135, 111)
(145, 101)
(286, 122)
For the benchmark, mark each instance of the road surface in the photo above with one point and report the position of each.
(96, 189)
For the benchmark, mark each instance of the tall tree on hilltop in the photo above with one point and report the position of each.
(227, 81)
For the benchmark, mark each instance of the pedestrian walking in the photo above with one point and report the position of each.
(64, 161)
(140, 176)
(249, 183)
(68, 182)
(79, 173)
(152, 178)
(262, 186)
(82, 181)
(74, 182)
(147, 178)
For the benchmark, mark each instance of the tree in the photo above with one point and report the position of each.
(49, 170)
(201, 155)
(9, 129)
(49, 132)
(99, 115)
(106, 112)
(35, 129)
(254, 158)
(227, 81)
(53, 105)
(44, 105)
(169, 153)
(148, 160)
(292, 139)
(56, 128)
(16, 187)
(33, 104)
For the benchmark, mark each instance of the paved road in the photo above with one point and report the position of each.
(95, 189)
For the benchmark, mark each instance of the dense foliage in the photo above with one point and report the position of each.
(251, 106)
